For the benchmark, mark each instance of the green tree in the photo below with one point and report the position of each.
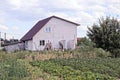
(106, 35)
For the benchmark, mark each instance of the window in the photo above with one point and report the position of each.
(42, 42)
(48, 29)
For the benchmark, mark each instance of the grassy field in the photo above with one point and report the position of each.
(81, 68)
(81, 64)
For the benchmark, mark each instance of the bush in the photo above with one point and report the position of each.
(84, 41)
(13, 70)
(86, 49)
(90, 52)
(3, 49)
(101, 53)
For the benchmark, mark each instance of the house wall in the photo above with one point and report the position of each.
(60, 30)
(28, 45)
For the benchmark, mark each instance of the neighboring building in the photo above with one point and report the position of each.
(52, 32)
(14, 47)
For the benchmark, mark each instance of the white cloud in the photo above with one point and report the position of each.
(112, 1)
(85, 12)
(23, 4)
(114, 9)
(2, 14)
(15, 28)
(9, 36)
(96, 8)
(3, 27)
(65, 4)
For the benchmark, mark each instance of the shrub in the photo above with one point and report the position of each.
(13, 70)
(101, 53)
(85, 41)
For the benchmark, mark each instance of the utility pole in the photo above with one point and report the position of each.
(0, 40)
(13, 37)
(5, 36)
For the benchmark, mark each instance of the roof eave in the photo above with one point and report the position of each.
(25, 39)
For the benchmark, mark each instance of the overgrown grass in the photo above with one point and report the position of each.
(107, 66)
(16, 66)
(66, 72)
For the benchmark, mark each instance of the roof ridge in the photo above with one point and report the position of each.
(65, 20)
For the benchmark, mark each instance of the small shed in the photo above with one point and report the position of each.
(14, 47)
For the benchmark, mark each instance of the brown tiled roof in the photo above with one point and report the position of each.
(29, 35)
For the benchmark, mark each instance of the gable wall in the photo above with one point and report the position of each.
(60, 30)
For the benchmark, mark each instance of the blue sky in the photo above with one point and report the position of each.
(18, 16)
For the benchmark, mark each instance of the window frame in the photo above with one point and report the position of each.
(42, 43)
(48, 29)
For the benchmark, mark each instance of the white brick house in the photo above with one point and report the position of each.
(52, 32)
